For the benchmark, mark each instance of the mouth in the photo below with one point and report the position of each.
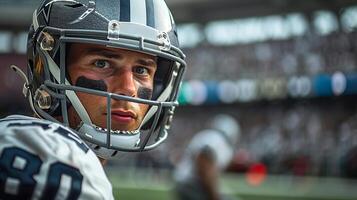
(123, 116)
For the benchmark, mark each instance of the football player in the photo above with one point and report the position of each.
(101, 74)
(209, 152)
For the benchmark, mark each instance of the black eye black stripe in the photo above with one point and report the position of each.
(91, 84)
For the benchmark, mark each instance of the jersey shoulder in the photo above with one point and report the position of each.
(39, 133)
(52, 152)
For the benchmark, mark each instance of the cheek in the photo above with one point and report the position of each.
(143, 110)
(89, 99)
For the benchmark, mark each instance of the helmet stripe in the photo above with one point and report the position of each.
(161, 15)
(124, 10)
(138, 11)
(150, 15)
(35, 21)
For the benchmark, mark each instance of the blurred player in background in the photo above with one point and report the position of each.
(102, 77)
(209, 152)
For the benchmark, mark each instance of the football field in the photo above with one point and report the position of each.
(157, 185)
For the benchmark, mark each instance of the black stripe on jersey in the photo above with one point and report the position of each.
(150, 13)
(125, 10)
(44, 126)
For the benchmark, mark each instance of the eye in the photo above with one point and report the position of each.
(141, 70)
(102, 64)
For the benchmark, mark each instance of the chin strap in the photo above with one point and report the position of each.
(94, 137)
(102, 152)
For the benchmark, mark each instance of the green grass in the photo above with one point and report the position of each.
(157, 185)
(147, 194)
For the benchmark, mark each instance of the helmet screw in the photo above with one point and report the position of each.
(165, 40)
(113, 30)
(114, 26)
(43, 99)
(47, 42)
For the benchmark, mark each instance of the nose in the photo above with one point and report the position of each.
(124, 83)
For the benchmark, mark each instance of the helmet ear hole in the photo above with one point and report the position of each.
(162, 76)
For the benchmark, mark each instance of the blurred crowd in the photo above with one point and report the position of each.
(310, 138)
(306, 55)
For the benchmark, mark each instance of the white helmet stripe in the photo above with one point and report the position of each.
(146, 12)
(137, 12)
(34, 20)
(161, 13)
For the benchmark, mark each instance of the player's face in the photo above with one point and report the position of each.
(116, 71)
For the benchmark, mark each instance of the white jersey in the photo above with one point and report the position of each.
(40, 159)
(212, 140)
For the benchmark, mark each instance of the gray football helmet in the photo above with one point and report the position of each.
(145, 26)
(228, 126)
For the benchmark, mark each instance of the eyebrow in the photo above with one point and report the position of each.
(112, 54)
(104, 52)
(147, 62)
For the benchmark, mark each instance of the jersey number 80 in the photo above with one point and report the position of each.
(18, 170)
